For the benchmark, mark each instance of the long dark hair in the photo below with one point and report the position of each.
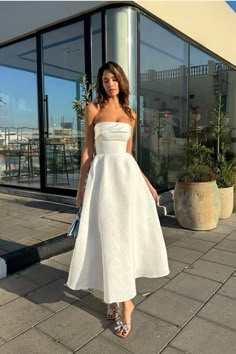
(117, 71)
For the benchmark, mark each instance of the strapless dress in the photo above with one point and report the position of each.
(120, 238)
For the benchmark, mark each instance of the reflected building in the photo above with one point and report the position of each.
(174, 84)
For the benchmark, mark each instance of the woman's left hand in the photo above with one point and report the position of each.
(154, 194)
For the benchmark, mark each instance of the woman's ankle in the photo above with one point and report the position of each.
(128, 304)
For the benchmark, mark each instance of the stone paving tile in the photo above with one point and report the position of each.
(20, 315)
(228, 222)
(100, 345)
(203, 337)
(7, 221)
(146, 286)
(220, 309)
(169, 306)
(49, 232)
(26, 216)
(64, 258)
(42, 274)
(148, 334)
(177, 234)
(171, 350)
(227, 245)
(66, 217)
(175, 268)
(16, 233)
(192, 286)
(232, 236)
(38, 224)
(182, 254)
(62, 226)
(33, 342)
(229, 288)
(194, 244)
(210, 236)
(225, 229)
(95, 302)
(221, 257)
(210, 270)
(55, 296)
(10, 246)
(170, 241)
(50, 263)
(15, 286)
(74, 326)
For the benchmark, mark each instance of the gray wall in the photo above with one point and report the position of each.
(21, 17)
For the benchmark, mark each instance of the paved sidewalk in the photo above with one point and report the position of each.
(31, 230)
(192, 310)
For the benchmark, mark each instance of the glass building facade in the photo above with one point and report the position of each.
(174, 87)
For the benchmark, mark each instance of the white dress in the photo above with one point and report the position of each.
(120, 238)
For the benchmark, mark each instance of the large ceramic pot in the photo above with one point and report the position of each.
(227, 202)
(197, 205)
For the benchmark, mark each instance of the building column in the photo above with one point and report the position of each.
(121, 44)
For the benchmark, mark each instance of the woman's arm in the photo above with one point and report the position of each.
(87, 153)
(129, 150)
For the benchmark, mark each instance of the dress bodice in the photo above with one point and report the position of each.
(111, 137)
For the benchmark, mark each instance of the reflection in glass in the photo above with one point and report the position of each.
(163, 103)
(96, 54)
(63, 64)
(209, 79)
(19, 136)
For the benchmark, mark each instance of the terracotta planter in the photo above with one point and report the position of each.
(197, 205)
(227, 202)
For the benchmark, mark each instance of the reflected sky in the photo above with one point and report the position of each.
(232, 4)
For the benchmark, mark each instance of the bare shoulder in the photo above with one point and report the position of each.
(90, 112)
(91, 108)
(133, 114)
(133, 121)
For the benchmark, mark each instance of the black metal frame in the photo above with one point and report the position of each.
(41, 115)
(86, 17)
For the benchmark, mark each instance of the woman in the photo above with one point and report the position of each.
(120, 237)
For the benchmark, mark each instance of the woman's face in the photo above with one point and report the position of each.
(110, 84)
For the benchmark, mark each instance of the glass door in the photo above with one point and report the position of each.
(63, 63)
(19, 130)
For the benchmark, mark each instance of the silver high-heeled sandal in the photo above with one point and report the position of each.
(113, 312)
(122, 330)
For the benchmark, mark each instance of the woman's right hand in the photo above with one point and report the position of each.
(79, 199)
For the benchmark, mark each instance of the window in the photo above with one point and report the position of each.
(163, 103)
(19, 136)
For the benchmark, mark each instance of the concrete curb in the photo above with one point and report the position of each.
(17, 260)
(3, 268)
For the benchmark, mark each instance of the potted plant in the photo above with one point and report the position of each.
(196, 196)
(224, 168)
(79, 104)
(225, 172)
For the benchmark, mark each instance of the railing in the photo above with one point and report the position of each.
(198, 70)
(160, 75)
